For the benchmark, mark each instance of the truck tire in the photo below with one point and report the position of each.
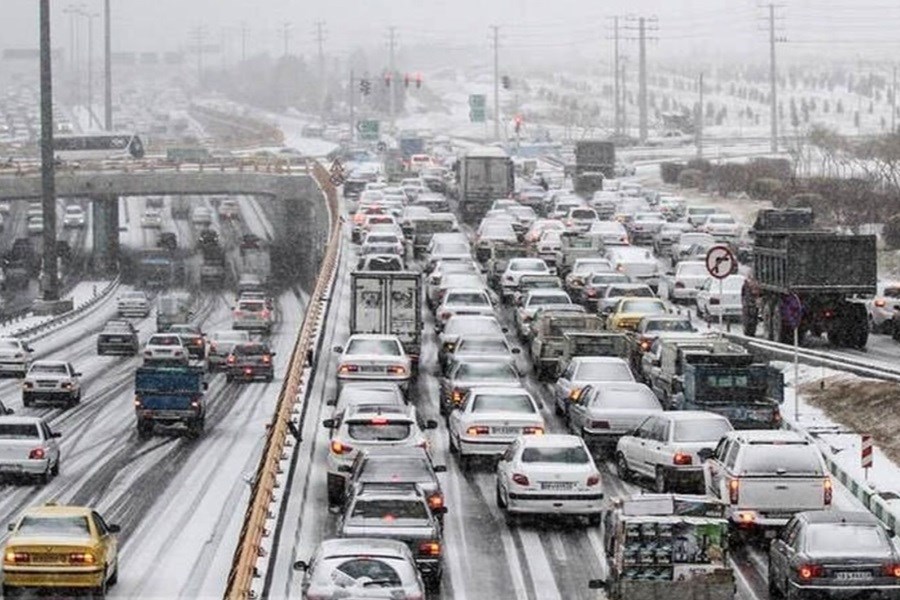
(750, 320)
(859, 326)
(144, 429)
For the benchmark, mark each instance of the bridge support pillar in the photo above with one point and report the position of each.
(105, 219)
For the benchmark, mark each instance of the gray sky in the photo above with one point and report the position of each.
(528, 26)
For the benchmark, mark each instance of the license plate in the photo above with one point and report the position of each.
(556, 485)
(10, 468)
(48, 558)
(505, 430)
(371, 369)
(853, 575)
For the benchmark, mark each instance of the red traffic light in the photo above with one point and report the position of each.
(418, 80)
(387, 79)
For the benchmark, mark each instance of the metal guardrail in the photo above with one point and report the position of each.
(259, 510)
(278, 166)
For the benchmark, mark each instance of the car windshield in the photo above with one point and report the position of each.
(701, 430)
(771, 459)
(482, 345)
(374, 572)
(568, 455)
(19, 431)
(45, 369)
(251, 350)
(378, 429)
(490, 371)
(669, 325)
(389, 510)
(252, 306)
(527, 265)
(603, 371)
(370, 346)
(514, 403)
(545, 299)
(845, 538)
(633, 398)
(468, 298)
(53, 527)
(642, 306)
(632, 292)
(165, 340)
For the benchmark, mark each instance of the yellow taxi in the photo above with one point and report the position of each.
(60, 548)
(629, 312)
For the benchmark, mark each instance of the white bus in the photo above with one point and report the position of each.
(98, 146)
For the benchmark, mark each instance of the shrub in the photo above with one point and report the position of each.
(669, 171)
(891, 233)
(765, 188)
(690, 178)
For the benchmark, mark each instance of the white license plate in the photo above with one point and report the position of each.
(853, 575)
(371, 369)
(10, 468)
(505, 430)
(556, 485)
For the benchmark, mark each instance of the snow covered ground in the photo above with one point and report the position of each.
(80, 295)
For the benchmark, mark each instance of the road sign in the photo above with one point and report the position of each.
(368, 130)
(477, 115)
(382, 147)
(337, 168)
(720, 262)
(477, 101)
(336, 180)
(792, 311)
(866, 453)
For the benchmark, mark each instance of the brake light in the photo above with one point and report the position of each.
(477, 430)
(348, 369)
(396, 370)
(82, 558)
(37, 454)
(446, 315)
(231, 359)
(734, 490)
(27, 385)
(645, 344)
(599, 424)
(520, 479)
(891, 570)
(682, 458)
(435, 501)
(533, 430)
(339, 447)
(449, 347)
(379, 421)
(807, 572)
(431, 548)
(248, 371)
(137, 402)
(266, 359)
(593, 480)
(592, 293)
(620, 268)
(829, 490)
(827, 313)
(880, 303)
(679, 285)
(265, 314)
(16, 557)
(457, 396)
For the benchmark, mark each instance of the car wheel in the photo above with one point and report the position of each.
(774, 590)
(26, 401)
(10, 591)
(270, 378)
(512, 519)
(99, 592)
(790, 592)
(660, 482)
(501, 503)
(595, 520)
(465, 462)
(229, 378)
(54, 470)
(114, 578)
(557, 408)
(454, 448)
(622, 469)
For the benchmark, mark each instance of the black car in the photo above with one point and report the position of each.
(118, 337)
(167, 240)
(192, 337)
(250, 361)
(831, 554)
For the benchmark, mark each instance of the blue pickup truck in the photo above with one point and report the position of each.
(170, 396)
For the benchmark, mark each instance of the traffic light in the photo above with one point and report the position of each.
(519, 121)
(507, 83)
(418, 80)
(387, 80)
(365, 86)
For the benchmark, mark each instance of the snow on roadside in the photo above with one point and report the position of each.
(80, 295)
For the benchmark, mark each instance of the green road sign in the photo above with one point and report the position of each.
(477, 101)
(368, 130)
(477, 115)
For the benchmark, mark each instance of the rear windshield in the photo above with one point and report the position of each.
(701, 430)
(18, 431)
(892, 292)
(639, 306)
(637, 398)
(251, 350)
(794, 459)
(605, 371)
(54, 526)
(480, 327)
(544, 300)
(845, 538)
(389, 509)
(506, 403)
(40, 369)
(482, 345)
(641, 292)
(376, 432)
(468, 299)
(252, 306)
(487, 372)
(528, 265)
(667, 325)
(169, 340)
(608, 278)
(583, 214)
(451, 249)
(386, 347)
(572, 455)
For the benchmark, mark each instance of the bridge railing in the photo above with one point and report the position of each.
(260, 515)
(251, 164)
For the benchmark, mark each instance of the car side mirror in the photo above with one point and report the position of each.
(11, 527)
(597, 584)
(431, 424)
(706, 453)
(29, 349)
(78, 374)
(506, 329)
(329, 423)
(343, 468)
(440, 510)
(517, 350)
(272, 353)
(440, 468)
(56, 435)
(205, 386)
(331, 402)
(338, 349)
(114, 528)
(891, 533)
(300, 565)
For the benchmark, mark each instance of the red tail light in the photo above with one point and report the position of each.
(435, 501)
(829, 490)
(265, 314)
(599, 424)
(880, 303)
(37, 454)
(734, 490)
(248, 371)
(592, 293)
(807, 572)
(457, 396)
(432, 548)
(891, 570)
(714, 301)
(338, 447)
(446, 315)
(266, 359)
(593, 480)
(520, 479)
(828, 313)
(82, 558)
(682, 458)
(16, 557)
(348, 369)
(198, 342)
(137, 402)
(645, 344)
(379, 421)
(679, 285)
(231, 359)
(396, 370)
(478, 430)
(533, 430)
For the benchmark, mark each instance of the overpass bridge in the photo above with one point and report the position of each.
(300, 216)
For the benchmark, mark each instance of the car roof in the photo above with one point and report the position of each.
(397, 452)
(598, 359)
(839, 516)
(362, 547)
(768, 435)
(372, 336)
(689, 415)
(551, 440)
(21, 420)
(50, 363)
(54, 510)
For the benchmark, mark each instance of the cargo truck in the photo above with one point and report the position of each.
(595, 156)
(484, 175)
(170, 396)
(388, 303)
(813, 277)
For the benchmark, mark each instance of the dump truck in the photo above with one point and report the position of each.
(484, 175)
(595, 156)
(808, 277)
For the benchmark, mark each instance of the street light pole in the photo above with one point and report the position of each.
(90, 68)
(48, 172)
(107, 67)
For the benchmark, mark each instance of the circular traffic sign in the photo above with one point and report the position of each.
(791, 311)
(720, 262)
(382, 147)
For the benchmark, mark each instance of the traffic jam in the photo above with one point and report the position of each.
(565, 350)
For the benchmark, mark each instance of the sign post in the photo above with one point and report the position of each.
(791, 314)
(368, 130)
(720, 263)
(866, 453)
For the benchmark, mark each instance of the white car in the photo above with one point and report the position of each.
(463, 301)
(490, 419)
(721, 225)
(713, 303)
(373, 357)
(436, 277)
(637, 263)
(689, 277)
(28, 447)
(221, 343)
(666, 447)
(15, 356)
(461, 325)
(549, 475)
(603, 413)
(583, 371)
(133, 303)
(516, 268)
(165, 348)
(73, 217)
(36, 224)
(151, 219)
(611, 233)
(252, 314)
(538, 300)
(883, 307)
(51, 381)
(201, 216)
(548, 247)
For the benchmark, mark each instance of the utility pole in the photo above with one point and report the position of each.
(286, 35)
(351, 90)
(199, 37)
(773, 78)
(698, 124)
(48, 172)
(90, 67)
(618, 109)
(642, 28)
(320, 40)
(74, 11)
(393, 69)
(243, 42)
(624, 109)
(496, 29)
(894, 101)
(107, 67)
